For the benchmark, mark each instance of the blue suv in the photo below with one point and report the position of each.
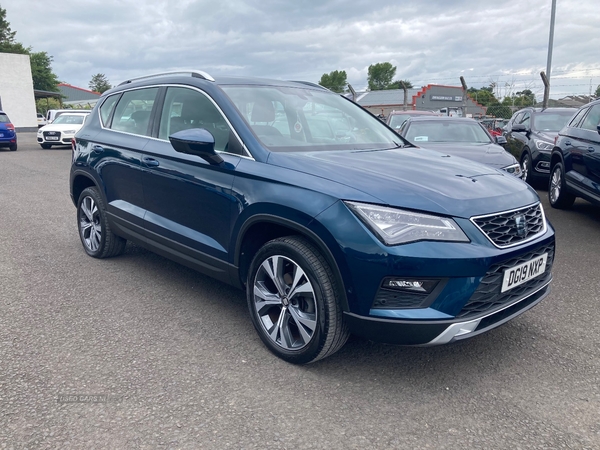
(331, 222)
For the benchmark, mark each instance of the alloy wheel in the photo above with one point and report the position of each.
(90, 225)
(285, 303)
(555, 185)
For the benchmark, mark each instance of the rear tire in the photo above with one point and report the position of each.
(13, 147)
(294, 302)
(46, 146)
(557, 189)
(94, 231)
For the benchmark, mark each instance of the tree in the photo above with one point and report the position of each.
(41, 72)
(335, 81)
(597, 93)
(400, 84)
(99, 83)
(7, 37)
(380, 76)
(483, 96)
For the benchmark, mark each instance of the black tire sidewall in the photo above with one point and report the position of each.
(527, 158)
(95, 195)
(284, 248)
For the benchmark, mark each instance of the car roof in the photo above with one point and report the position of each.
(442, 119)
(415, 112)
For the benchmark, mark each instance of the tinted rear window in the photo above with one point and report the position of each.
(4, 118)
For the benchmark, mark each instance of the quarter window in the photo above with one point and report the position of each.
(107, 108)
(577, 118)
(132, 114)
(187, 108)
(592, 119)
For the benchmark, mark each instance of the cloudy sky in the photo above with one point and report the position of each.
(429, 41)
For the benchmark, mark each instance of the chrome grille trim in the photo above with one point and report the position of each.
(484, 222)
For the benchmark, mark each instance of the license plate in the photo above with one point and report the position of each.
(524, 272)
(52, 138)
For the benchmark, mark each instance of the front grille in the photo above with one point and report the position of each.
(391, 299)
(512, 227)
(487, 297)
(51, 133)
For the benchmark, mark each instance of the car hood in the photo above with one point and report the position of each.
(547, 135)
(61, 127)
(414, 178)
(490, 154)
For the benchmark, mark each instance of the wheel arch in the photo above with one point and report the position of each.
(81, 181)
(261, 228)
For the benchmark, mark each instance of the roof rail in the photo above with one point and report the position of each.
(193, 73)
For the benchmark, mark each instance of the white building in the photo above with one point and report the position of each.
(16, 91)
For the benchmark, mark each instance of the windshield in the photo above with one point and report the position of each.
(69, 119)
(462, 130)
(551, 121)
(298, 119)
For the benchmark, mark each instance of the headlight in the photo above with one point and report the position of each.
(514, 169)
(543, 145)
(396, 226)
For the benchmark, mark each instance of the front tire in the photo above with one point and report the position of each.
(94, 231)
(526, 167)
(293, 301)
(557, 189)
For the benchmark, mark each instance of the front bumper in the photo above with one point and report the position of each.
(437, 332)
(62, 139)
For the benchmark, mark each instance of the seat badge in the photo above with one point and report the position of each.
(521, 225)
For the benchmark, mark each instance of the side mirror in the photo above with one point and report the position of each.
(519, 127)
(197, 142)
(598, 128)
(500, 140)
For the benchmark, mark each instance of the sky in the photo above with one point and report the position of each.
(430, 41)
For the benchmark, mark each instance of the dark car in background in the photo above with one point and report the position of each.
(530, 137)
(8, 135)
(396, 119)
(462, 137)
(575, 159)
(331, 222)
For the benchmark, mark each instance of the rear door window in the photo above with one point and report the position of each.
(132, 114)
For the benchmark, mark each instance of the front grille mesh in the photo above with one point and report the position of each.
(487, 297)
(502, 228)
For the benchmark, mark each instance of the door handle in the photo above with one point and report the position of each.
(591, 149)
(567, 142)
(97, 148)
(151, 162)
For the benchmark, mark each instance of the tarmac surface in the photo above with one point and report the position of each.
(140, 352)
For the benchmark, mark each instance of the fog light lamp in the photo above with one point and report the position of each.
(409, 284)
